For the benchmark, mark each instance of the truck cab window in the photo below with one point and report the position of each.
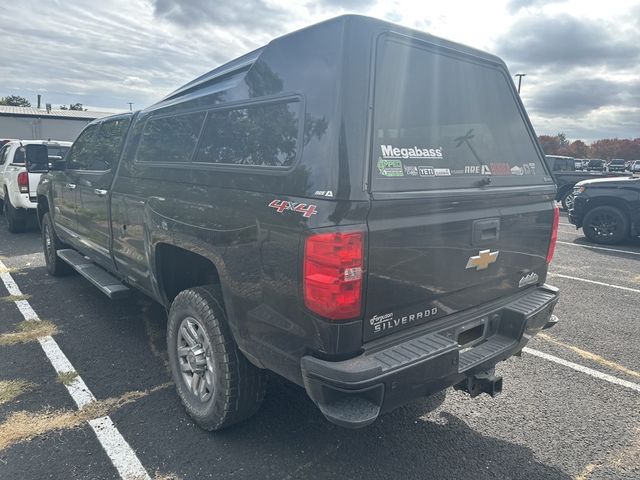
(82, 150)
(108, 143)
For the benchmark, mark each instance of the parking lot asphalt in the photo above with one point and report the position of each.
(551, 421)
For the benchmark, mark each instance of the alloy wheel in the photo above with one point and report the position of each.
(195, 358)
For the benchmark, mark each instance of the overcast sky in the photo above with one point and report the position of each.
(581, 57)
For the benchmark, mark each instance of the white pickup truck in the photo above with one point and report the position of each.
(17, 187)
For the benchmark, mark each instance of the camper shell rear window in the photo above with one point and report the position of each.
(446, 120)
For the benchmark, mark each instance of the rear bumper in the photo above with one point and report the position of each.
(353, 392)
(23, 201)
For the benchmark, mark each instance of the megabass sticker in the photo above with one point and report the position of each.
(390, 168)
(305, 209)
(389, 151)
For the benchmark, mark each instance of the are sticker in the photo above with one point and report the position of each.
(305, 209)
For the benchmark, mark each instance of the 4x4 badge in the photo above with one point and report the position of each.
(482, 260)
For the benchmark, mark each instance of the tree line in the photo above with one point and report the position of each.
(606, 148)
(17, 101)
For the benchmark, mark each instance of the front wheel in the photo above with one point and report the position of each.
(50, 245)
(607, 225)
(567, 200)
(218, 386)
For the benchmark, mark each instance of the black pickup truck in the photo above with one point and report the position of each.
(607, 210)
(564, 173)
(360, 208)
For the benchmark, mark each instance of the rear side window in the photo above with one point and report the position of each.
(442, 120)
(57, 151)
(4, 153)
(170, 139)
(263, 135)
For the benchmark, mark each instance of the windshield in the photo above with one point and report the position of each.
(442, 121)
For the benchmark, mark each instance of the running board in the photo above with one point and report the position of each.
(106, 283)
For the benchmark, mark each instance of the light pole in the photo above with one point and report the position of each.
(131, 103)
(520, 75)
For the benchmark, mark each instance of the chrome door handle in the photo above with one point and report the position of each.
(70, 186)
(100, 192)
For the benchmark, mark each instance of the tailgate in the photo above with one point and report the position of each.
(34, 179)
(462, 202)
(433, 257)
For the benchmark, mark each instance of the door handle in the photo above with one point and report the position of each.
(70, 186)
(100, 192)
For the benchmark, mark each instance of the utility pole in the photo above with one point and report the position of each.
(520, 75)
(131, 103)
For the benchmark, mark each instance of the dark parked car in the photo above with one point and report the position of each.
(607, 210)
(563, 171)
(596, 165)
(617, 165)
(360, 208)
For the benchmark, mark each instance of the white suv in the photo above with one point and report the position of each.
(17, 186)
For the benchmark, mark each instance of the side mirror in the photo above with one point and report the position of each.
(36, 158)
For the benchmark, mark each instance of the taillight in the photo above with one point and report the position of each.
(23, 182)
(554, 234)
(332, 276)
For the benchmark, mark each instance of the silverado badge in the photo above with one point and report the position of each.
(482, 260)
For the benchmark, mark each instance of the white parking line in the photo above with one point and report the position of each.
(569, 277)
(598, 248)
(586, 370)
(566, 225)
(118, 450)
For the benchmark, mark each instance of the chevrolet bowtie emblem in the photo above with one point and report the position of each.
(482, 260)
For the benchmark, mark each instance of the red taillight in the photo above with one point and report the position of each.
(23, 182)
(332, 276)
(554, 234)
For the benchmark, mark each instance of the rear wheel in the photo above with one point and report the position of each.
(15, 222)
(217, 384)
(567, 200)
(607, 225)
(50, 245)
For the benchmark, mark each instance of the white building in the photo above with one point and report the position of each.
(28, 123)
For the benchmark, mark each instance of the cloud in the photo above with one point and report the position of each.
(345, 4)
(514, 6)
(564, 42)
(578, 96)
(221, 13)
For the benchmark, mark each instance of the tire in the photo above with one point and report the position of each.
(606, 225)
(229, 389)
(567, 200)
(50, 245)
(11, 214)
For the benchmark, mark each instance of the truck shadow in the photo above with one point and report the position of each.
(405, 443)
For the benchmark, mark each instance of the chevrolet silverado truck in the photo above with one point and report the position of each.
(17, 186)
(563, 171)
(607, 210)
(360, 208)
